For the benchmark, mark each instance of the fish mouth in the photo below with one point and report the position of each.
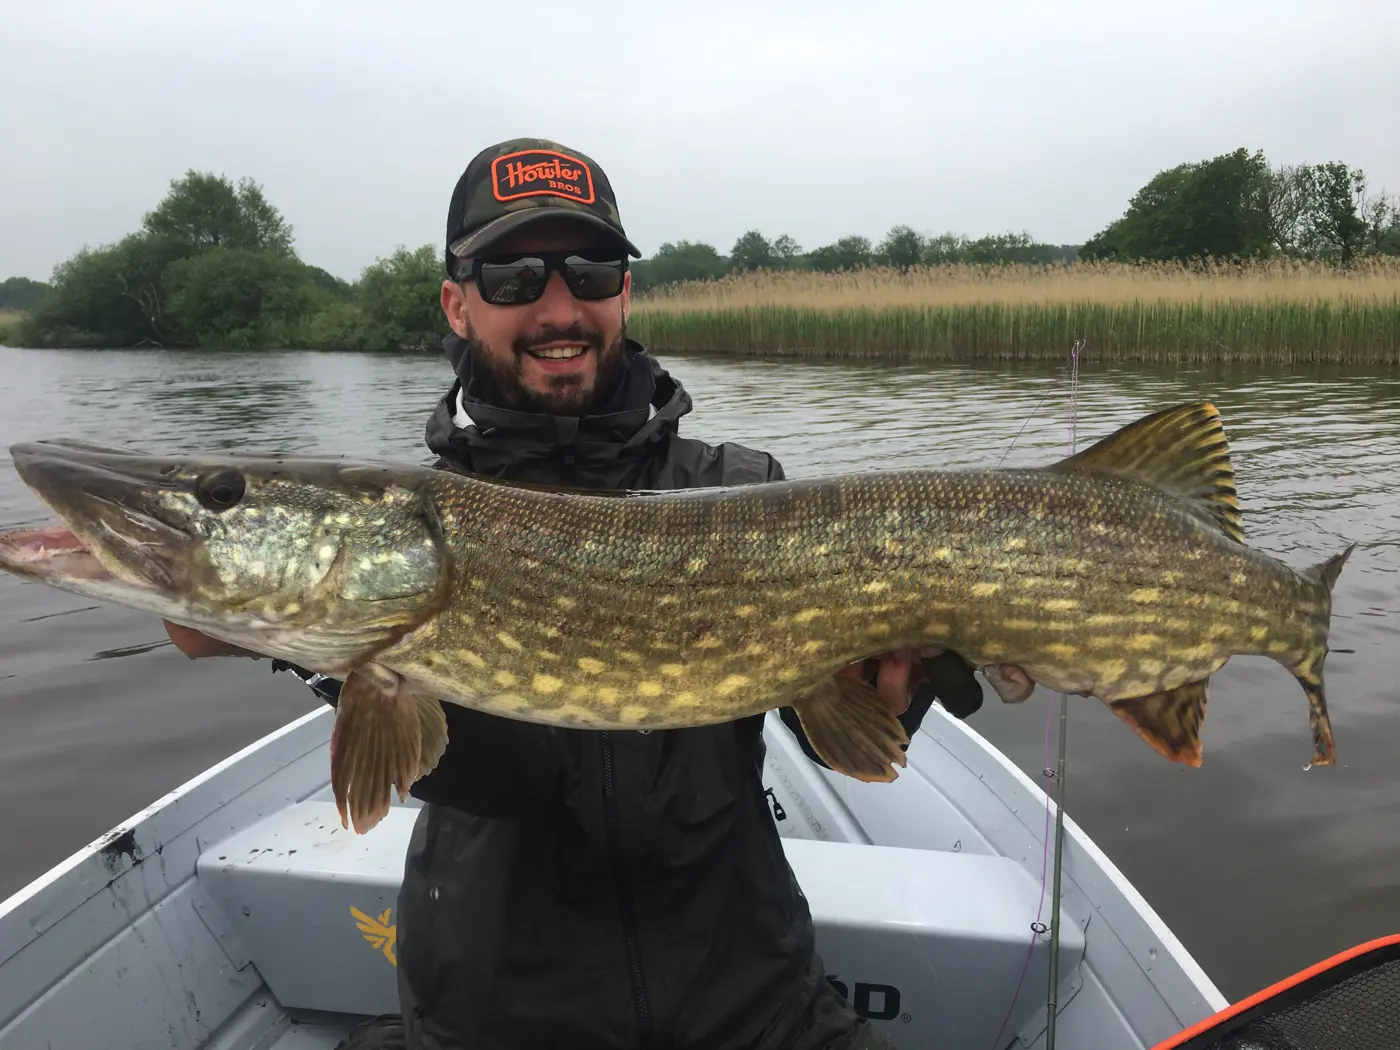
(114, 528)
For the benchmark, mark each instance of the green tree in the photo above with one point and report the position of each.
(847, 253)
(203, 211)
(678, 261)
(21, 293)
(113, 295)
(902, 247)
(238, 298)
(1207, 208)
(752, 251)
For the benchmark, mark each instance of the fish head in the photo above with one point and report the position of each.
(319, 561)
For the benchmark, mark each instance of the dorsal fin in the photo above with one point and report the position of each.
(1181, 450)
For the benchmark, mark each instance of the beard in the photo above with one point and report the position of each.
(500, 375)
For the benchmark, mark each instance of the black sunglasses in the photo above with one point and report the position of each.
(509, 280)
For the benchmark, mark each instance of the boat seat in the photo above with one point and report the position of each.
(935, 940)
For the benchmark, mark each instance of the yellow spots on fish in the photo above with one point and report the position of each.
(1258, 634)
(509, 641)
(476, 583)
(695, 565)
(1151, 668)
(342, 519)
(812, 647)
(634, 714)
(326, 552)
(878, 629)
(994, 649)
(575, 713)
(755, 649)
(505, 679)
(1063, 650)
(1171, 578)
(687, 699)
(1146, 640)
(1237, 579)
(894, 547)
(588, 665)
(1015, 543)
(291, 609)
(564, 602)
(937, 629)
(516, 603)
(668, 599)
(1112, 670)
(672, 670)
(550, 631)
(608, 695)
(650, 688)
(821, 550)
(546, 655)
(1145, 595)
(252, 513)
(1061, 604)
(942, 554)
(985, 589)
(876, 587)
(629, 657)
(510, 702)
(1027, 625)
(1097, 528)
(1176, 623)
(579, 692)
(807, 615)
(745, 611)
(709, 641)
(546, 683)
(1278, 647)
(731, 684)
(227, 576)
(789, 674)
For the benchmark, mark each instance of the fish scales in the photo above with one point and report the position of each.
(1120, 572)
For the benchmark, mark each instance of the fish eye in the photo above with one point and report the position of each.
(221, 490)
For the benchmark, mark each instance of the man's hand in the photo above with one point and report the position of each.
(900, 673)
(196, 644)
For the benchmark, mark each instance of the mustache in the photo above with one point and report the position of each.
(575, 333)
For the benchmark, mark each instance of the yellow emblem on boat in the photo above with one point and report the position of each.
(380, 935)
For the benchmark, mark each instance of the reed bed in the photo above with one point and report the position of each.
(1277, 312)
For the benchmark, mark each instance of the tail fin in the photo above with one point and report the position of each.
(1326, 572)
(1308, 671)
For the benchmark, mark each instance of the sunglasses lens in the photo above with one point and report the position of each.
(593, 278)
(518, 280)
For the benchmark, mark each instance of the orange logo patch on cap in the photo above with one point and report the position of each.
(541, 171)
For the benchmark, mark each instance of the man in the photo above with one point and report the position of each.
(580, 889)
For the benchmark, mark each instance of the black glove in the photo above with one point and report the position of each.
(950, 680)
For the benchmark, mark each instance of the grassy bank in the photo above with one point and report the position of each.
(1284, 312)
(9, 327)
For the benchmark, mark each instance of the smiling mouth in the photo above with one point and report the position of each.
(558, 353)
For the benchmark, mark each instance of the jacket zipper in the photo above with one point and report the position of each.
(624, 898)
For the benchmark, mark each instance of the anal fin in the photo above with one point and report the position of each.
(385, 737)
(1170, 722)
(852, 731)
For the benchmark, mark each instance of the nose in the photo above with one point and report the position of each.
(557, 307)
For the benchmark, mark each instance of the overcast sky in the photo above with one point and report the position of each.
(812, 118)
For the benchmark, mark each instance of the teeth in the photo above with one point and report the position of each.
(559, 353)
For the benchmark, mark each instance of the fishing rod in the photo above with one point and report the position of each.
(1052, 994)
(1057, 774)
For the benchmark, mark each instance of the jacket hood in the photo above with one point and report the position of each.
(645, 407)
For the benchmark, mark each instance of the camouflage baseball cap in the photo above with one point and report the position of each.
(515, 183)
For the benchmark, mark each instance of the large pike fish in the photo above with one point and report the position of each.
(1119, 572)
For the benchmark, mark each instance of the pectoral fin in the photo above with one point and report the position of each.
(1170, 722)
(851, 730)
(384, 737)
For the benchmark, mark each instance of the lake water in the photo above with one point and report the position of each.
(1259, 865)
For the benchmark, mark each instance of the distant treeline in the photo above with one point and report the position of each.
(213, 264)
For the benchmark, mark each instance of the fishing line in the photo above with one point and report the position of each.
(1038, 928)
